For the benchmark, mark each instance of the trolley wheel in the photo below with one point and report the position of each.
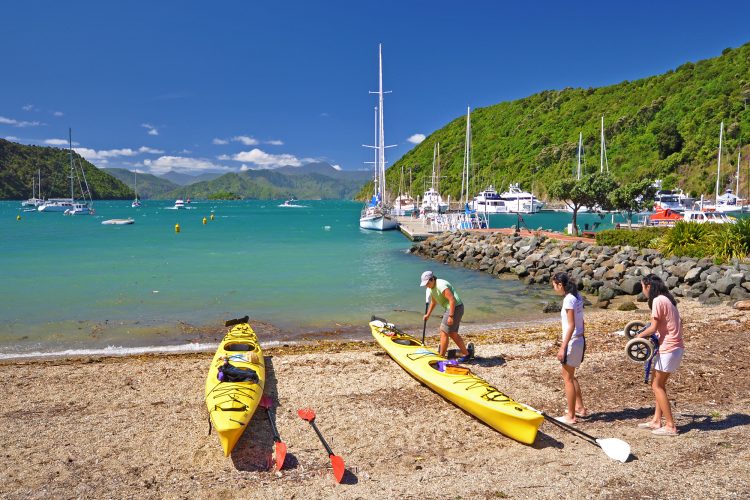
(632, 328)
(639, 350)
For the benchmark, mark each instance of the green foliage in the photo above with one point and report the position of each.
(656, 126)
(149, 186)
(687, 239)
(644, 237)
(731, 241)
(591, 191)
(224, 195)
(19, 165)
(632, 197)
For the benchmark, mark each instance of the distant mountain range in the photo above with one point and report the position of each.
(187, 179)
(311, 181)
(149, 185)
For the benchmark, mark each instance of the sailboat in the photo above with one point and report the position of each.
(404, 204)
(727, 202)
(376, 214)
(432, 201)
(35, 186)
(136, 202)
(69, 206)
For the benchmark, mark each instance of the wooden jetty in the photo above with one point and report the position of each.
(416, 229)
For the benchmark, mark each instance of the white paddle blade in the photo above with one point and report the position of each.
(615, 448)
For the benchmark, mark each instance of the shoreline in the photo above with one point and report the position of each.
(135, 426)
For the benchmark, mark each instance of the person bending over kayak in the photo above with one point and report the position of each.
(665, 320)
(443, 293)
(573, 345)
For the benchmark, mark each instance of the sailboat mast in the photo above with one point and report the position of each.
(737, 190)
(718, 169)
(603, 154)
(377, 167)
(70, 155)
(580, 146)
(381, 129)
(467, 154)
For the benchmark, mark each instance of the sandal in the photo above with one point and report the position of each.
(583, 414)
(647, 425)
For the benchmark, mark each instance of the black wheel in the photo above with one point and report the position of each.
(639, 350)
(632, 328)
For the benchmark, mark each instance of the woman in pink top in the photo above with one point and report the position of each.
(665, 321)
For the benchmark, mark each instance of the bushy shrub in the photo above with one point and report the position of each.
(731, 241)
(688, 239)
(644, 237)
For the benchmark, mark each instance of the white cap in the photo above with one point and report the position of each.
(426, 276)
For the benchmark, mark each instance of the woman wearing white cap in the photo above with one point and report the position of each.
(443, 293)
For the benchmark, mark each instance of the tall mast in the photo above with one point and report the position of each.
(580, 146)
(718, 169)
(603, 154)
(467, 161)
(737, 190)
(377, 168)
(381, 139)
(70, 154)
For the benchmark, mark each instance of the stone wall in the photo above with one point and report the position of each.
(600, 270)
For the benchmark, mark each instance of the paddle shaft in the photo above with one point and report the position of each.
(320, 436)
(570, 428)
(275, 432)
(424, 327)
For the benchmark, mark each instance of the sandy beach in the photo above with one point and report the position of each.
(137, 427)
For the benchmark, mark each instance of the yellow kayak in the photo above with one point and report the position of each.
(234, 385)
(458, 385)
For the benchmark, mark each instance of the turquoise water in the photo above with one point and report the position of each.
(73, 283)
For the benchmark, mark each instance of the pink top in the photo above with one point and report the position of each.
(668, 324)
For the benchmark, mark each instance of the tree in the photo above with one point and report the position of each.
(668, 140)
(591, 191)
(633, 197)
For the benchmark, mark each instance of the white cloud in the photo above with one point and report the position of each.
(337, 167)
(275, 142)
(57, 142)
(164, 164)
(58, 113)
(223, 157)
(246, 140)
(16, 123)
(244, 168)
(11, 138)
(104, 154)
(266, 160)
(151, 151)
(151, 129)
(220, 141)
(29, 107)
(416, 138)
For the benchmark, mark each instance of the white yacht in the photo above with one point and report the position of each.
(56, 205)
(136, 202)
(70, 205)
(404, 205)
(34, 201)
(489, 202)
(376, 215)
(179, 204)
(79, 209)
(517, 200)
(432, 201)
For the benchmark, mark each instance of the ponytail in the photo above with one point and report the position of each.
(657, 287)
(569, 285)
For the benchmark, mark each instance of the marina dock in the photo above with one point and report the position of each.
(416, 229)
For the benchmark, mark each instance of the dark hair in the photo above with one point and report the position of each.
(657, 287)
(568, 284)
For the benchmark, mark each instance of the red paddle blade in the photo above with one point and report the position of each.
(306, 414)
(280, 455)
(338, 467)
(266, 402)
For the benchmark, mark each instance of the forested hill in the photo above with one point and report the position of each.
(19, 164)
(149, 185)
(664, 126)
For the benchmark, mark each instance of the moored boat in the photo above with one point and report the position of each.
(118, 222)
(231, 401)
(458, 385)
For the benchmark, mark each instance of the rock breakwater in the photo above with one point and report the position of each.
(604, 271)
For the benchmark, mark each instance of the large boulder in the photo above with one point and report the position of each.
(631, 286)
(724, 285)
(742, 305)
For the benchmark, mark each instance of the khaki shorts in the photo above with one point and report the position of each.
(458, 313)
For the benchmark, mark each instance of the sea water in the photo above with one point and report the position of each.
(72, 285)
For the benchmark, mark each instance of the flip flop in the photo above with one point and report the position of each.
(663, 431)
(647, 425)
(585, 414)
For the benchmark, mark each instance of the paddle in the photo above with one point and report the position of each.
(267, 403)
(336, 461)
(616, 449)
(426, 306)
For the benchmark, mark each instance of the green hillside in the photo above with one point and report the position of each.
(149, 186)
(19, 164)
(270, 184)
(664, 126)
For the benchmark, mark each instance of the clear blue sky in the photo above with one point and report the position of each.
(224, 84)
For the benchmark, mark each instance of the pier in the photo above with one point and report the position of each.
(416, 229)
